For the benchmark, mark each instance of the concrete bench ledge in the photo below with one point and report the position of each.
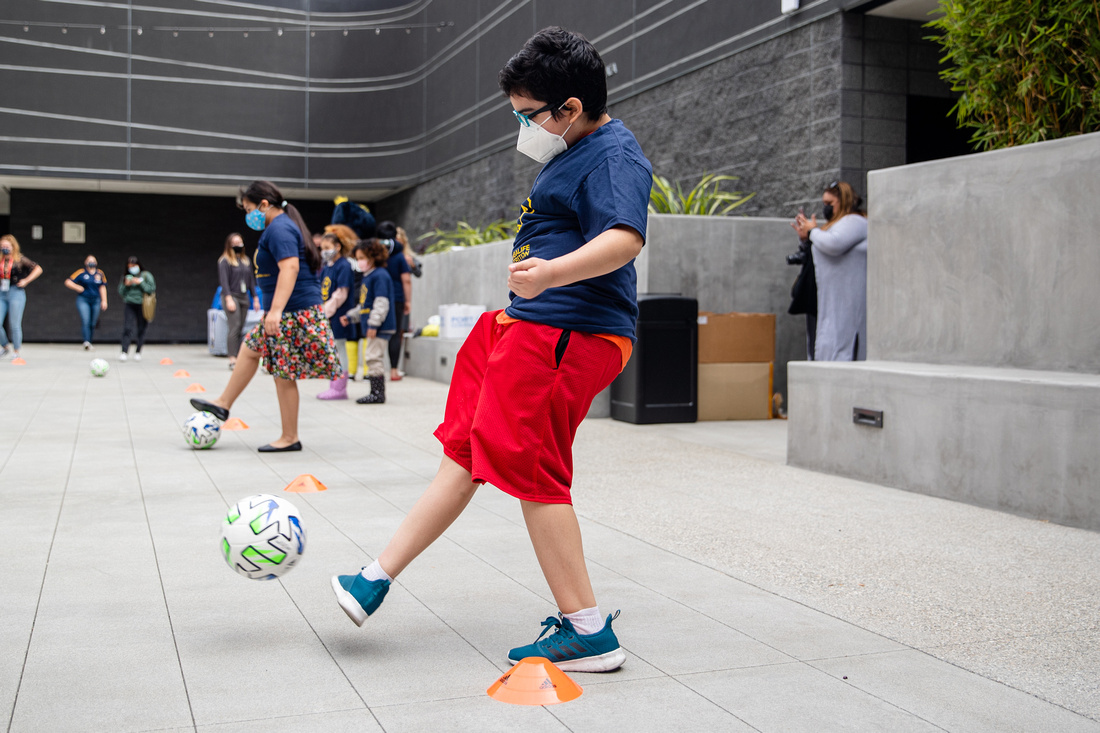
(1012, 439)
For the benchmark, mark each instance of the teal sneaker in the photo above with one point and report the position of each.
(573, 652)
(358, 596)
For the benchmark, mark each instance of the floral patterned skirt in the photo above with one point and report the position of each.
(303, 349)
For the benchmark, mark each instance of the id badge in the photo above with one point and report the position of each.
(244, 288)
(5, 285)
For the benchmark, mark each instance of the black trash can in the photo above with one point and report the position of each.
(659, 383)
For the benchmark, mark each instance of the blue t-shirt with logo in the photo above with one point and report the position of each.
(397, 266)
(601, 182)
(333, 277)
(282, 239)
(90, 281)
(377, 284)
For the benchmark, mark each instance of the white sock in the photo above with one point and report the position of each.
(586, 621)
(374, 571)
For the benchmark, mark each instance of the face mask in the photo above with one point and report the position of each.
(328, 255)
(135, 270)
(364, 265)
(90, 265)
(238, 246)
(539, 144)
(5, 251)
(255, 220)
(827, 211)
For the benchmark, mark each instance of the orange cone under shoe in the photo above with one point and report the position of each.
(181, 373)
(534, 681)
(235, 423)
(305, 484)
(18, 361)
(166, 361)
(196, 387)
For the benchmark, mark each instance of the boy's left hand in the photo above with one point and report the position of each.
(528, 278)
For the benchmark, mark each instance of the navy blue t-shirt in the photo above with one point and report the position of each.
(377, 284)
(397, 266)
(601, 182)
(282, 239)
(333, 277)
(90, 281)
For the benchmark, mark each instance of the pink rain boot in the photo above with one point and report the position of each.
(337, 389)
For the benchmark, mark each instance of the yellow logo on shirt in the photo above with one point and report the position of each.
(521, 253)
(525, 208)
(326, 285)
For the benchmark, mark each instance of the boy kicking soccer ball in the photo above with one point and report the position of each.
(526, 376)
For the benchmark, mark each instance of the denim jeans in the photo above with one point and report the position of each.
(89, 316)
(12, 304)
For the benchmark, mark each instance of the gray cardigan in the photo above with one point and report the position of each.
(840, 264)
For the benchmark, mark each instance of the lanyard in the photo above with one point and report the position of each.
(7, 269)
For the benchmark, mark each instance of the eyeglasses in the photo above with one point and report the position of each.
(832, 185)
(526, 120)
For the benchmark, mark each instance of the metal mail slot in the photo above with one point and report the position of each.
(870, 418)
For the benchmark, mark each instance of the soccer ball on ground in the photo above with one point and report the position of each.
(262, 537)
(99, 367)
(201, 430)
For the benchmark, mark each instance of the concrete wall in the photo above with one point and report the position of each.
(726, 263)
(990, 259)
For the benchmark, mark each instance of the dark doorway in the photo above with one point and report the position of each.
(931, 132)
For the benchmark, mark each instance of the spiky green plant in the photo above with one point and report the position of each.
(464, 235)
(706, 198)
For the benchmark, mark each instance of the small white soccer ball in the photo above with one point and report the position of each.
(262, 537)
(99, 367)
(201, 430)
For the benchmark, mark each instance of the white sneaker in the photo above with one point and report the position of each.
(122, 356)
(137, 356)
(7, 353)
(87, 346)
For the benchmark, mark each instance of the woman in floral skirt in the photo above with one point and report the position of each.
(294, 339)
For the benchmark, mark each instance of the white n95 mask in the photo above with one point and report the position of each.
(539, 144)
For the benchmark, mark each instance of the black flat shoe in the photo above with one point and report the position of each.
(219, 412)
(297, 445)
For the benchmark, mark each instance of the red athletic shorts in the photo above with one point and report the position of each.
(518, 393)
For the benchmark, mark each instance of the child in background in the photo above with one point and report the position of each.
(376, 316)
(349, 239)
(336, 282)
(526, 376)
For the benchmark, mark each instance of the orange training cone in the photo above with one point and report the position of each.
(196, 387)
(534, 681)
(181, 373)
(18, 361)
(166, 361)
(234, 423)
(305, 484)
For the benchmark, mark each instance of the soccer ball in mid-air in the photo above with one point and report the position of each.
(201, 430)
(262, 537)
(99, 367)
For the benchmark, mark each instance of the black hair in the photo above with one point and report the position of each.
(133, 260)
(258, 191)
(554, 65)
(387, 232)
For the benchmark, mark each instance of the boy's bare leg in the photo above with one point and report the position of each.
(247, 363)
(556, 537)
(436, 509)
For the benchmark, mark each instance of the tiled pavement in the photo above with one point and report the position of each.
(755, 596)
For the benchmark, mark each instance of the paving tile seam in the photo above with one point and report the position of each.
(258, 720)
(46, 567)
(156, 558)
(966, 671)
(15, 443)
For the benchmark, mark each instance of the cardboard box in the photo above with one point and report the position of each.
(735, 391)
(736, 338)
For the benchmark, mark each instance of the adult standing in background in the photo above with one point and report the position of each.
(90, 286)
(16, 272)
(136, 282)
(294, 339)
(399, 270)
(840, 265)
(237, 279)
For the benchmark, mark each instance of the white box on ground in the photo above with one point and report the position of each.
(456, 320)
(217, 329)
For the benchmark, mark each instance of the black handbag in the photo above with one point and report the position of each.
(804, 290)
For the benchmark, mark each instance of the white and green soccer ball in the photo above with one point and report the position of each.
(201, 430)
(99, 367)
(262, 537)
